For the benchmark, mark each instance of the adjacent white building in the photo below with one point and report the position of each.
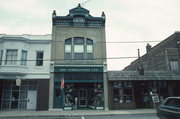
(24, 60)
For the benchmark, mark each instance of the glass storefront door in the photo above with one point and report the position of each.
(82, 98)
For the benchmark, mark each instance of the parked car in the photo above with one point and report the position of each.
(169, 109)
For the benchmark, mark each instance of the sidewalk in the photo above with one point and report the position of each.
(28, 113)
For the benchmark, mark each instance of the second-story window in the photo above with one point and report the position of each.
(24, 58)
(174, 65)
(39, 58)
(89, 49)
(11, 57)
(1, 56)
(78, 48)
(68, 49)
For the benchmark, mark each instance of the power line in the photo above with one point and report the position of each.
(117, 42)
(128, 57)
(85, 2)
(75, 59)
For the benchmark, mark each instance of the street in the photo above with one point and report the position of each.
(123, 116)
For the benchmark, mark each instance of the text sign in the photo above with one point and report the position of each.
(155, 99)
(78, 69)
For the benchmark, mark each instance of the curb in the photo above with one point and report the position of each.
(74, 114)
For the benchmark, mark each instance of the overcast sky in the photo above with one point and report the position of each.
(126, 20)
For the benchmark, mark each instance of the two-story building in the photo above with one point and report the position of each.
(24, 71)
(78, 61)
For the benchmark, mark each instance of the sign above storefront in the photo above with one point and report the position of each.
(78, 69)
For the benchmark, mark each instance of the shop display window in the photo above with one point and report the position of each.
(15, 97)
(123, 92)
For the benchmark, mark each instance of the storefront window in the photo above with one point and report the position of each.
(160, 88)
(123, 92)
(15, 97)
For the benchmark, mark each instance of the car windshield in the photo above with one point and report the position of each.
(173, 102)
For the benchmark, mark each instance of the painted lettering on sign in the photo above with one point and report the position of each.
(79, 69)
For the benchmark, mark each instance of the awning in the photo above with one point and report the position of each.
(148, 75)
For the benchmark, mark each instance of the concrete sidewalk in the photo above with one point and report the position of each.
(28, 113)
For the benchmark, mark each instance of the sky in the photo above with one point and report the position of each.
(126, 21)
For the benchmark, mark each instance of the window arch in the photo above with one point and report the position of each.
(78, 48)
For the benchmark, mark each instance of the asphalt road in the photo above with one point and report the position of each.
(124, 116)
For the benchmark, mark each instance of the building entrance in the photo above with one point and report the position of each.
(83, 98)
(141, 94)
(83, 95)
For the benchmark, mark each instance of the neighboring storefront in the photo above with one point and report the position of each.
(19, 97)
(24, 72)
(129, 90)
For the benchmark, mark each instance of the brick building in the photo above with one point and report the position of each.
(78, 56)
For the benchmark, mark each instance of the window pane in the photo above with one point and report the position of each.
(23, 104)
(6, 104)
(67, 48)
(174, 65)
(23, 57)
(89, 42)
(39, 58)
(11, 57)
(23, 95)
(15, 95)
(79, 40)
(79, 56)
(115, 91)
(78, 48)
(67, 56)
(14, 104)
(68, 41)
(89, 48)
(7, 94)
(89, 56)
(40, 55)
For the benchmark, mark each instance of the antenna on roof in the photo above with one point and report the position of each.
(83, 4)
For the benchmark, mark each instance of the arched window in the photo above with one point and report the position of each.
(68, 48)
(78, 48)
(89, 51)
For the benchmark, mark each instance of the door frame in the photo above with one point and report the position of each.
(83, 97)
(32, 101)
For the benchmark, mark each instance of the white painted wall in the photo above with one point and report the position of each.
(30, 43)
